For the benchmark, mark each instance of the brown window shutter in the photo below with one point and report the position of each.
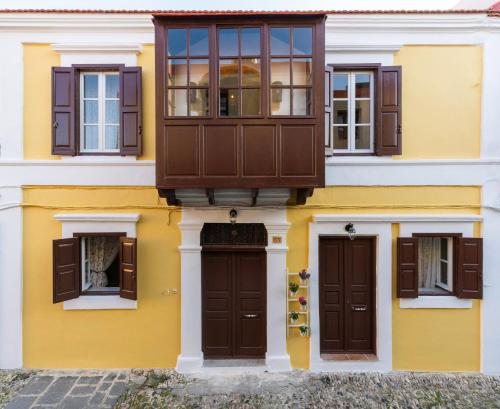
(128, 268)
(469, 268)
(66, 269)
(388, 140)
(328, 110)
(131, 110)
(63, 111)
(407, 279)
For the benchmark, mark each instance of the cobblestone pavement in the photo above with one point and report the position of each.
(298, 389)
(11, 382)
(72, 390)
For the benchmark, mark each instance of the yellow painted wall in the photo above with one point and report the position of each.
(38, 61)
(430, 340)
(441, 101)
(146, 337)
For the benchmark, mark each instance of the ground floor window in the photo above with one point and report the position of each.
(100, 264)
(435, 266)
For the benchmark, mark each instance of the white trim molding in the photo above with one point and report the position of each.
(363, 48)
(397, 218)
(98, 223)
(97, 47)
(435, 301)
(191, 356)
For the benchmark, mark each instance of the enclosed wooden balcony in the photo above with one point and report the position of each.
(240, 108)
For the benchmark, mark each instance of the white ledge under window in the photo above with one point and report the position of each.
(100, 302)
(435, 301)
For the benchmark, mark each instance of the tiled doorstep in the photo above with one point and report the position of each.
(349, 357)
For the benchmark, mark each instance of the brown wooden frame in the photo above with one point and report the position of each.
(373, 286)
(96, 234)
(195, 178)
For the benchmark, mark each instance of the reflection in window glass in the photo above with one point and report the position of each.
(90, 86)
(363, 112)
(340, 137)
(302, 71)
(177, 102)
(177, 73)
(198, 41)
(250, 101)
(198, 102)
(280, 71)
(280, 41)
(176, 42)
(362, 86)
(229, 102)
(280, 101)
(112, 86)
(228, 42)
(340, 112)
(250, 41)
(228, 73)
(198, 74)
(250, 71)
(302, 40)
(301, 101)
(362, 137)
(340, 85)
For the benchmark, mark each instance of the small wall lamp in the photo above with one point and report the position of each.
(233, 215)
(351, 231)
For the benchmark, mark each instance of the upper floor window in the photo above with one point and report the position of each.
(291, 70)
(187, 72)
(239, 71)
(251, 80)
(353, 112)
(96, 110)
(99, 112)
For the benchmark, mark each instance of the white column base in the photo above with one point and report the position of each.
(189, 364)
(278, 363)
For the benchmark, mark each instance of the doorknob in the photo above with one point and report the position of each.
(250, 315)
(363, 308)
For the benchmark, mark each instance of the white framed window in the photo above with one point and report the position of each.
(353, 112)
(435, 265)
(99, 112)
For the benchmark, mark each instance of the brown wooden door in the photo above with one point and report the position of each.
(234, 304)
(347, 296)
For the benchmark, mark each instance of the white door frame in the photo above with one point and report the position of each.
(191, 356)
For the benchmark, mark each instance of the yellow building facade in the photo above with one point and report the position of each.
(440, 183)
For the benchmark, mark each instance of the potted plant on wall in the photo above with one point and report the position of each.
(294, 316)
(293, 287)
(303, 303)
(304, 276)
(304, 330)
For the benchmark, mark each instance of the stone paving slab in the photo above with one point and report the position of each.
(72, 390)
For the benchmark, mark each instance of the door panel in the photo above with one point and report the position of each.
(347, 284)
(217, 304)
(331, 283)
(234, 304)
(250, 314)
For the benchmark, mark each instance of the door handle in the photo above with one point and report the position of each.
(363, 308)
(250, 315)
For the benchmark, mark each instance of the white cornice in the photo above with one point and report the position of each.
(368, 48)
(98, 217)
(97, 48)
(381, 161)
(396, 218)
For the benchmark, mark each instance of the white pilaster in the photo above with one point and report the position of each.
(11, 278)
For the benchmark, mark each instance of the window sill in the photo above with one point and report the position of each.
(99, 158)
(100, 302)
(435, 301)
